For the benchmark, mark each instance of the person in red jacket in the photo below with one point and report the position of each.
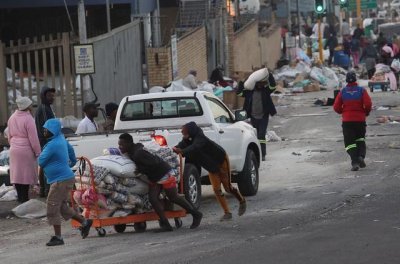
(354, 104)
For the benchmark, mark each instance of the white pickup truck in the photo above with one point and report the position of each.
(160, 116)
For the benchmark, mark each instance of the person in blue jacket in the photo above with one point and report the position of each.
(56, 161)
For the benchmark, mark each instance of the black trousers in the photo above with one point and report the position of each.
(22, 192)
(261, 126)
(354, 139)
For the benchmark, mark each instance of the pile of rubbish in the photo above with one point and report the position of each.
(299, 77)
(8, 193)
(119, 189)
(5, 157)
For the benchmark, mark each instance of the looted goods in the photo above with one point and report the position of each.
(255, 77)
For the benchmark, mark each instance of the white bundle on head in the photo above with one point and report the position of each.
(255, 77)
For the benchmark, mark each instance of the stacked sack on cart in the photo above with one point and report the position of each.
(119, 190)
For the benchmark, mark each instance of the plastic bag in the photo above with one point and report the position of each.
(119, 166)
(256, 76)
(9, 196)
(318, 75)
(5, 157)
(141, 188)
(32, 209)
(396, 65)
(111, 151)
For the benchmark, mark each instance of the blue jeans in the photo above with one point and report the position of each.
(261, 126)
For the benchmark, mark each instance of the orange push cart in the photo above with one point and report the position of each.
(139, 221)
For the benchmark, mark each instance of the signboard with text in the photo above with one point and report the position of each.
(84, 59)
(365, 5)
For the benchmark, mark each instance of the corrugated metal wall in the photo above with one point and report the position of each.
(118, 60)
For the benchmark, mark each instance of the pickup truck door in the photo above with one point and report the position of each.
(229, 135)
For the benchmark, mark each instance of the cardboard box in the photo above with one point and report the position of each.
(312, 87)
(230, 99)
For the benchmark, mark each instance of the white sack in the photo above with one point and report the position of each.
(119, 166)
(32, 209)
(256, 77)
(9, 196)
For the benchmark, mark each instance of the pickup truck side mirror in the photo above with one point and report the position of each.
(240, 115)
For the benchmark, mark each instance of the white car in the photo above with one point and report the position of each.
(395, 4)
(160, 116)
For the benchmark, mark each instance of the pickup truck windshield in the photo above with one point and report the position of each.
(161, 108)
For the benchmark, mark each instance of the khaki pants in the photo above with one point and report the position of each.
(57, 202)
(223, 177)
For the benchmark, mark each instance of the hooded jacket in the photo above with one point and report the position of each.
(58, 156)
(353, 103)
(43, 113)
(150, 165)
(201, 150)
(268, 104)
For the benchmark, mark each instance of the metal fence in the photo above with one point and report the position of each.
(27, 65)
(118, 58)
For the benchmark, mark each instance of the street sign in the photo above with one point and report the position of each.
(365, 5)
(174, 55)
(84, 59)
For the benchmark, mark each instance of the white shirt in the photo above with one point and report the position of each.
(87, 126)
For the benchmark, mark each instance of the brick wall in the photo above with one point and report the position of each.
(192, 54)
(159, 66)
(270, 44)
(246, 48)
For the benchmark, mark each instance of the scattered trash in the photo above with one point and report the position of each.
(329, 193)
(367, 195)
(273, 137)
(296, 153)
(379, 161)
(7, 193)
(383, 108)
(32, 209)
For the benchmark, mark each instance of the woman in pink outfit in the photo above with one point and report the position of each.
(24, 149)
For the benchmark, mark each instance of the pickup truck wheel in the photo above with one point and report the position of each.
(249, 178)
(192, 185)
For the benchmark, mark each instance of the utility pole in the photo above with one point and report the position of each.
(108, 15)
(156, 26)
(289, 16)
(298, 22)
(359, 13)
(82, 22)
(321, 54)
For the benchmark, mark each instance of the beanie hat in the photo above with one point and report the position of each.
(23, 103)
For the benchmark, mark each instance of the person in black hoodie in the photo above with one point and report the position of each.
(160, 176)
(44, 113)
(259, 106)
(205, 153)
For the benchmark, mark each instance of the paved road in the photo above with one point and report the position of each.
(310, 208)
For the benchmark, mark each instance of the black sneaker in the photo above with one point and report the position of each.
(355, 167)
(362, 163)
(55, 241)
(263, 158)
(196, 220)
(164, 227)
(86, 228)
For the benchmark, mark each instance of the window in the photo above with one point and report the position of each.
(219, 111)
(161, 108)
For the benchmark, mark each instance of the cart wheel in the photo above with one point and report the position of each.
(120, 228)
(140, 227)
(101, 232)
(178, 223)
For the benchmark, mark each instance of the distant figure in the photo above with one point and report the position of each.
(25, 148)
(355, 51)
(190, 80)
(358, 32)
(44, 113)
(354, 104)
(217, 75)
(331, 44)
(111, 112)
(370, 57)
(345, 28)
(381, 41)
(88, 125)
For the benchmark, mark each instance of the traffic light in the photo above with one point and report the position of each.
(344, 3)
(319, 7)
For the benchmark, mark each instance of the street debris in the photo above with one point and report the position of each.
(273, 137)
(7, 193)
(31, 209)
(296, 154)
